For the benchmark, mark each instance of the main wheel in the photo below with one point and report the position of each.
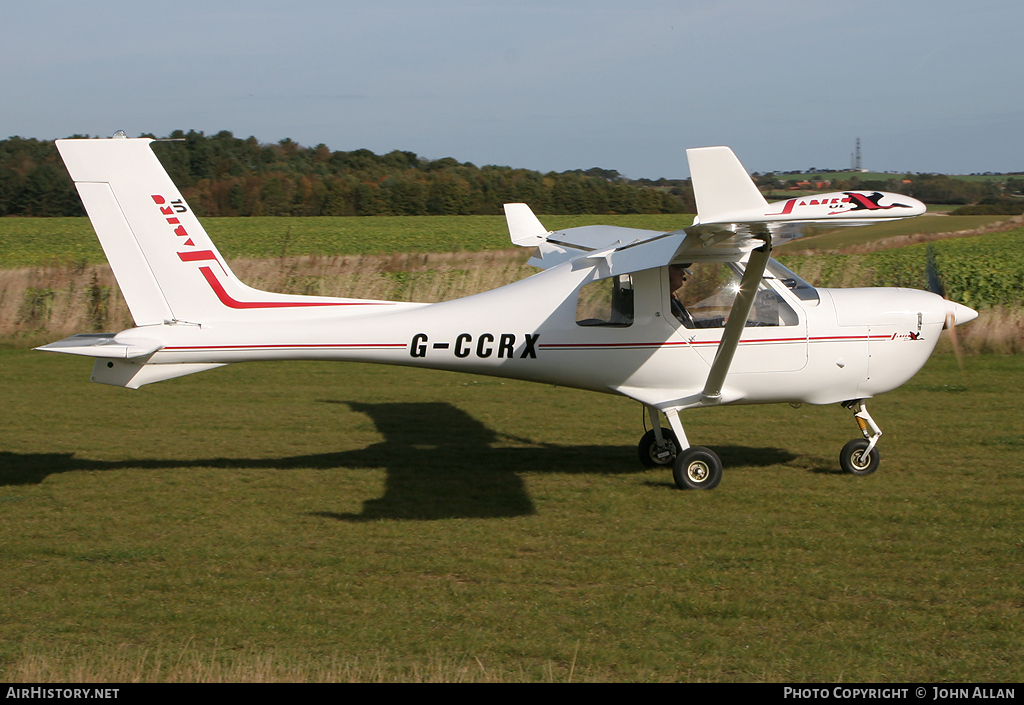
(854, 461)
(697, 468)
(647, 449)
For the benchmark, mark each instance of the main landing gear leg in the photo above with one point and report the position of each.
(860, 456)
(693, 467)
(660, 446)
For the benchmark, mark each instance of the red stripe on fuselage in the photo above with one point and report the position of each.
(677, 343)
(294, 346)
(226, 299)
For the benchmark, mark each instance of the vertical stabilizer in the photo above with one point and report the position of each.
(166, 264)
(148, 233)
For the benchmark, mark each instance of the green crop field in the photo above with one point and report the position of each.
(982, 271)
(36, 241)
(847, 237)
(33, 241)
(317, 520)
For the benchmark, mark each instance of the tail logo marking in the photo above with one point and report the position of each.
(178, 206)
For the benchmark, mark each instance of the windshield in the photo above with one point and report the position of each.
(792, 281)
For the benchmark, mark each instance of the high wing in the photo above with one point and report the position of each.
(733, 215)
(734, 223)
(732, 219)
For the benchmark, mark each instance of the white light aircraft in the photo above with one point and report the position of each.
(603, 314)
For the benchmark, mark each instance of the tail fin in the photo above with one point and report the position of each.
(92, 165)
(165, 263)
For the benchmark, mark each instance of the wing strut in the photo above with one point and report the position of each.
(737, 321)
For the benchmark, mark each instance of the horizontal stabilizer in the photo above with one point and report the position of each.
(132, 374)
(556, 247)
(636, 257)
(102, 345)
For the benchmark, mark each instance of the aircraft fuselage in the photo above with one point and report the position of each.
(848, 343)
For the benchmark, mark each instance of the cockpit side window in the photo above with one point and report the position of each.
(704, 297)
(606, 302)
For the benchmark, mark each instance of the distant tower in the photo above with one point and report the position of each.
(856, 161)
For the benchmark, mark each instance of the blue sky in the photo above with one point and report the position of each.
(927, 86)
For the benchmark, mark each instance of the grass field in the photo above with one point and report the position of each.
(283, 521)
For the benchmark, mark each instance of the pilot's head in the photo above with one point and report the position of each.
(677, 274)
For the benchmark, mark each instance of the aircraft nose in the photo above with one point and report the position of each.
(959, 314)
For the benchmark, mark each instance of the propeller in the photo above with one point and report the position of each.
(955, 313)
(934, 282)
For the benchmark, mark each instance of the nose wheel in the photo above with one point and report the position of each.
(856, 459)
(860, 456)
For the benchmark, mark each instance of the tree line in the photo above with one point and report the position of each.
(222, 175)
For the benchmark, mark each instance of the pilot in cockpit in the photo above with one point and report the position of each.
(677, 274)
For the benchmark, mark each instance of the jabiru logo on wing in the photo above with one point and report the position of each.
(850, 201)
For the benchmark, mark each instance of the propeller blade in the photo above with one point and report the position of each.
(951, 324)
(957, 314)
(932, 274)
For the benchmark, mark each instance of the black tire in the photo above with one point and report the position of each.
(647, 449)
(697, 468)
(853, 461)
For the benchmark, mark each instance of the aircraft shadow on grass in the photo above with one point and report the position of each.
(441, 464)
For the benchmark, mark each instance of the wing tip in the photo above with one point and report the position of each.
(721, 184)
(524, 227)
